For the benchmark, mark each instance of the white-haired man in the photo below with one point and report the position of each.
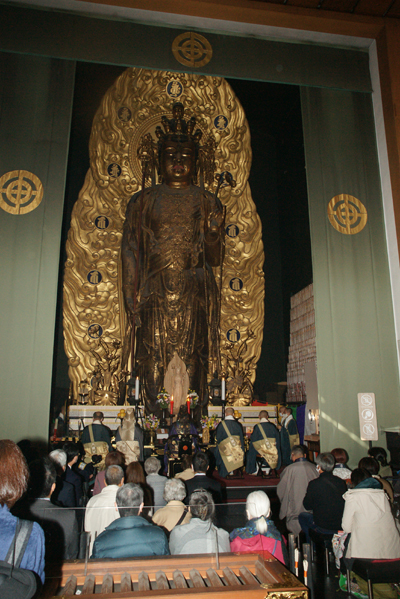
(64, 493)
(100, 510)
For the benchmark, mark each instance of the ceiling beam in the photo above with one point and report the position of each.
(260, 13)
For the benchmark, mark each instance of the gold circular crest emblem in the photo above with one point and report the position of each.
(192, 49)
(20, 192)
(347, 214)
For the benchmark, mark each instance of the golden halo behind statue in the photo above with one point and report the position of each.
(132, 107)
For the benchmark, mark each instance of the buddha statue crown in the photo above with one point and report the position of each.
(180, 130)
(177, 128)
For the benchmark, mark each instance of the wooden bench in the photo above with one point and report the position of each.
(374, 572)
(242, 576)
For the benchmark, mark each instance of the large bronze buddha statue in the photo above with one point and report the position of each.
(168, 281)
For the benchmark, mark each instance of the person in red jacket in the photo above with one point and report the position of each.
(259, 533)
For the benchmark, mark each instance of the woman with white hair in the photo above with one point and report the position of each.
(175, 512)
(260, 533)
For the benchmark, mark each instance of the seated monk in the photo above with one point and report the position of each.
(182, 430)
(129, 438)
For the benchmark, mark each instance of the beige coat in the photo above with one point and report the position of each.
(100, 512)
(291, 491)
(367, 516)
(186, 474)
(169, 515)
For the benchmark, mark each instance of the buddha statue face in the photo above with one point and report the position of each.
(177, 163)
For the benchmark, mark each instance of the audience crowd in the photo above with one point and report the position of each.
(130, 510)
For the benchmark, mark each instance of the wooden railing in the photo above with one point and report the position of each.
(245, 576)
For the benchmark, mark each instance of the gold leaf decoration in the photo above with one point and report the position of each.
(130, 109)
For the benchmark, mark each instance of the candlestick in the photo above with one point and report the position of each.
(305, 569)
(296, 561)
(137, 388)
(171, 405)
(223, 389)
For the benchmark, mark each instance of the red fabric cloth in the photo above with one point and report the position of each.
(383, 561)
(258, 543)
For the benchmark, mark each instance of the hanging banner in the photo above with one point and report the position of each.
(355, 333)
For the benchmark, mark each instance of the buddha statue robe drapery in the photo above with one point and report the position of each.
(177, 306)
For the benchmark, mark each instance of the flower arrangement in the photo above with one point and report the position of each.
(151, 422)
(192, 398)
(163, 399)
(210, 422)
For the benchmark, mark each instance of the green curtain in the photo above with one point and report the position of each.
(35, 112)
(355, 334)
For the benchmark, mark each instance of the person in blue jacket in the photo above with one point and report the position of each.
(14, 476)
(130, 535)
